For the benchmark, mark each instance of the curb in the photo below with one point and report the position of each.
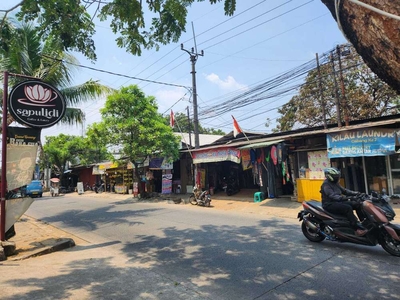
(65, 243)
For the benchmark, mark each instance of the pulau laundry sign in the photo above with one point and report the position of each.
(36, 104)
(362, 142)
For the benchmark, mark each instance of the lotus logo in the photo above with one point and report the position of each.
(38, 96)
(36, 104)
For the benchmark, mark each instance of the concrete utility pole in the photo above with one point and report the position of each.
(190, 135)
(344, 102)
(193, 58)
(320, 91)
(339, 119)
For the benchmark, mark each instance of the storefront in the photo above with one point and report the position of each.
(366, 157)
(163, 176)
(213, 164)
(371, 151)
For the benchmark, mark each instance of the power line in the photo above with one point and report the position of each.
(251, 28)
(116, 74)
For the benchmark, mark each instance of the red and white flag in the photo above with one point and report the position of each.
(236, 127)
(172, 119)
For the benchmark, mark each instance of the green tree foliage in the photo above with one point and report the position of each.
(28, 53)
(73, 21)
(366, 96)
(131, 123)
(62, 149)
(183, 124)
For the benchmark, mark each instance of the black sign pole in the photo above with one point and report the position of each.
(4, 160)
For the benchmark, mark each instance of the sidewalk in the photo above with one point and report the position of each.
(35, 237)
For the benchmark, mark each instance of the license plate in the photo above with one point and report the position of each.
(34, 192)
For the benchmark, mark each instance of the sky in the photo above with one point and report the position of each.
(260, 42)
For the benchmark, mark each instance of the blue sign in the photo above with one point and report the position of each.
(362, 142)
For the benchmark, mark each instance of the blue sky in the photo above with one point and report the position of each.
(261, 41)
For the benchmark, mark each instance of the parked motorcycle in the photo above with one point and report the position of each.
(98, 188)
(200, 198)
(375, 214)
(232, 186)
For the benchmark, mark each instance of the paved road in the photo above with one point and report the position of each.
(130, 250)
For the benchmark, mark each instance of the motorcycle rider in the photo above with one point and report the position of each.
(335, 199)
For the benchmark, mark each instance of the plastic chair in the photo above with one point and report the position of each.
(258, 197)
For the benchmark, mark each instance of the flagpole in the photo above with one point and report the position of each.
(247, 138)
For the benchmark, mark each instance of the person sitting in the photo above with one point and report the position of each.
(334, 199)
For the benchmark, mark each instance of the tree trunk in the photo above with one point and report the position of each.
(140, 190)
(374, 36)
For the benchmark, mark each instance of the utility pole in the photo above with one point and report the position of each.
(320, 92)
(193, 58)
(344, 102)
(190, 135)
(339, 121)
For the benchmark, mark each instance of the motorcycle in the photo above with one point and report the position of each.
(232, 186)
(375, 214)
(98, 188)
(200, 198)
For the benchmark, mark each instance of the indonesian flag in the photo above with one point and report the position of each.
(236, 127)
(172, 119)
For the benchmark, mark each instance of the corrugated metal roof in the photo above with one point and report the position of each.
(204, 139)
(296, 135)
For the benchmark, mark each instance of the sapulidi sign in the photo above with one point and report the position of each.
(36, 104)
(362, 142)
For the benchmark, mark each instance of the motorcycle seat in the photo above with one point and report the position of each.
(318, 206)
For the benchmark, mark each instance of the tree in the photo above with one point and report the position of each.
(72, 21)
(62, 149)
(183, 124)
(374, 35)
(366, 96)
(28, 54)
(130, 121)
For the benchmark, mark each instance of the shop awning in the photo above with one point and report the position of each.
(260, 145)
(217, 155)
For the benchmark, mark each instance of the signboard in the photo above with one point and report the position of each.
(362, 142)
(22, 147)
(79, 187)
(215, 155)
(246, 159)
(36, 104)
(166, 184)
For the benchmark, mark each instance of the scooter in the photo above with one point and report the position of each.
(200, 198)
(232, 187)
(98, 188)
(375, 214)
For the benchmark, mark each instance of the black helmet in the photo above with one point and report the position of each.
(332, 174)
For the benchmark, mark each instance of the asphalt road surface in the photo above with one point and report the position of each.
(138, 250)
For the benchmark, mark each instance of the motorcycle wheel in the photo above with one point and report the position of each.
(312, 236)
(207, 203)
(390, 245)
(192, 200)
(229, 191)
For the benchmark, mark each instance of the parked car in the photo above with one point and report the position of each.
(34, 189)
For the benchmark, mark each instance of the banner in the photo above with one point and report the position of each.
(362, 142)
(166, 184)
(216, 155)
(22, 149)
(246, 160)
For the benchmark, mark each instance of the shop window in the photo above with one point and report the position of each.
(395, 166)
(303, 164)
(376, 173)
